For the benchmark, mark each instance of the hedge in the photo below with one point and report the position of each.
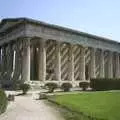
(51, 86)
(105, 84)
(66, 86)
(3, 101)
(84, 85)
(24, 87)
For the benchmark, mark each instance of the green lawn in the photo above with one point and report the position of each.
(102, 105)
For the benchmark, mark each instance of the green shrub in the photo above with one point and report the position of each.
(10, 84)
(3, 101)
(24, 87)
(84, 85)
(51, 86)
(66, 87)
(105, 84)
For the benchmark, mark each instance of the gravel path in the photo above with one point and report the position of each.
(25, 108)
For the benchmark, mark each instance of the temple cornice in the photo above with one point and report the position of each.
(24, 27)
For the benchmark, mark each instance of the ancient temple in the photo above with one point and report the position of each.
(31, 50)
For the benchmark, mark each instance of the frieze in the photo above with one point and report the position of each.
(45, 32)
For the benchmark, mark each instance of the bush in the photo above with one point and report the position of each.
(25, 87)
(66, 87)
(84, 85)
(3, 101)
(10, 84)
(7, 84)
(11, 97)
(51, 86)
(105, 84)
(42, 96)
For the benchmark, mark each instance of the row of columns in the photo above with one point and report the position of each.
(82, 62)
(15, 61)
(26, 59)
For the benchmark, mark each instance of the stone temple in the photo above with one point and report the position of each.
(36, 52)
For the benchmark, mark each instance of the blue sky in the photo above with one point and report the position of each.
(99, 17)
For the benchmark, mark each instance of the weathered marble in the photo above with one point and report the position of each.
(32, 51)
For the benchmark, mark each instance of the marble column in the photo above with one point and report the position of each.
(82, 64)
(26, 60)
(15, 64)
(12, 60)
(102, 69)
(42, 60)
(32, 57)
(117, 75)
(58, 62)
(92, 64)
(14, 54)
(110, 65)
(71, 63)
(8, 61)
(18, 59)
(0, 62)
(3, 62)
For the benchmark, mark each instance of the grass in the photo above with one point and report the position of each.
(100, 105)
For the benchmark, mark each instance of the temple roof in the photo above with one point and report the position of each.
(8, 23)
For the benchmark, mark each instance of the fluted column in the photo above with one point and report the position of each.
(15, 67)
(19, 61)
(58, 62)
(117, 75)
(0, 61)
(3, 62)
(82, 64)
(0, 64)
(71, 63)
(110, 65)
(12, 63)
(102, 68)
(92, 64)
(14, 54)
(42, 61)
(8, 61)
(26, 60)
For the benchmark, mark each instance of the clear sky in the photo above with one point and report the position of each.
(99, 17)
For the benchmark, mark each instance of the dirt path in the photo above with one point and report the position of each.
(25, 108)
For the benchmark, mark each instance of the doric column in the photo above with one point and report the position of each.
(3, 62)
(26, 60)
(18, 59)
(117, 75)
(110, 65)
(102, 69)
(11, 60)
(32, 65)
(71, 63)
(42, 60)
(0, 60)
(14, 54)
(92, 64)
(58, 62)
(82, 64)
(8, 64)
(15, 62)
(0, 64)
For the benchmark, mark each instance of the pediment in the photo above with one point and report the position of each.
(7, 23)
